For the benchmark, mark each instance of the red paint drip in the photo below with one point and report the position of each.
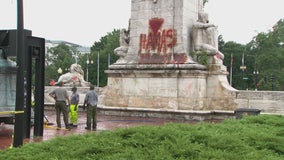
(156, 24)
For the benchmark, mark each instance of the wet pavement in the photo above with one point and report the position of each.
(103, 123)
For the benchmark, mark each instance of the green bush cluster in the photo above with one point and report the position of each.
(251, 138)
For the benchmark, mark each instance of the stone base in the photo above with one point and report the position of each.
(167, 114)
(171, 87)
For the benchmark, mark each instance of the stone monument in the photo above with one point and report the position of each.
(156, 69)
(73, 78)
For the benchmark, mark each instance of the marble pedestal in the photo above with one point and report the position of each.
(169, 87)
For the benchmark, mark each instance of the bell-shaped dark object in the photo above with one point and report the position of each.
(8, 72)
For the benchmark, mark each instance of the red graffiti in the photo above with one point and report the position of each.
(156, 24)
(52, 82)
(158, 40)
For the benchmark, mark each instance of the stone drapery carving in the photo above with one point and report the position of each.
(205, 38)
(74, 78)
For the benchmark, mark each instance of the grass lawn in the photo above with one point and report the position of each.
(251, 138)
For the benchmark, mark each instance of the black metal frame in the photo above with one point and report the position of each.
(33, 49)
(36, 50)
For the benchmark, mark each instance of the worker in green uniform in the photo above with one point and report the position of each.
(74, 107)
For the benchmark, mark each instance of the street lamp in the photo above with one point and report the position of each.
(87, 78)
(243, 68)
(98, 70)
(256, 74)
(59, 71)
(88, 62)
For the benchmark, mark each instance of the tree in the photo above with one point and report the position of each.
(263, 54)
(268, 51)
(105, 48)
(234, 50)
(61, 56)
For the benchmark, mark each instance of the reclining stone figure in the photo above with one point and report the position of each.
(73, 78)
(205, 38)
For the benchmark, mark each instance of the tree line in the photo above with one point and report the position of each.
(102, 55)
(262, 57)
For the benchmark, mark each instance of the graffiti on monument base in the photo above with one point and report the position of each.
(157, 46)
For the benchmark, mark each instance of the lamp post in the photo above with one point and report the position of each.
(256, 74)
(231, 70)
(59, 71)
(243, 68)
(98, 70)
(67, 69)
(87, 73)
(88, 62)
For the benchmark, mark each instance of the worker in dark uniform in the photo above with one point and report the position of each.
(60, 96)
(91, 100)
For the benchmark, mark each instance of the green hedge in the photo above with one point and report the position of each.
(251, 138)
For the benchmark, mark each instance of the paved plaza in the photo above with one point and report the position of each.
(104, 123)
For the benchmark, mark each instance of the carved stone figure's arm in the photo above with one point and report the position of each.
(203, 25)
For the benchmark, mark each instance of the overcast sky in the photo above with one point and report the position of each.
(86, 21)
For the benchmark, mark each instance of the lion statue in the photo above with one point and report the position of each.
(74, 78)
